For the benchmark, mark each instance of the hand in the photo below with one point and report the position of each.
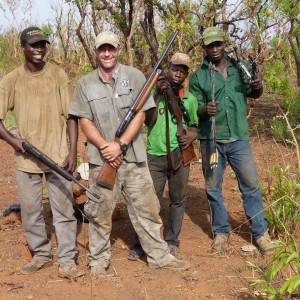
(211, 108)
(70, 163)
(162, 85)
(183, 139)
(117, 162)
(16, 143)
(187, 137)
(111, 151)
(256, 84)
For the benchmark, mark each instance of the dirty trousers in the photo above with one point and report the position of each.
(134, 181)
(60, 193)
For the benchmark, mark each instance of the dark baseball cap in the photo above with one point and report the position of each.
(32, 35)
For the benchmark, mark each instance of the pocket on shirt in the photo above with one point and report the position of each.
(126, 97)
(98, 102)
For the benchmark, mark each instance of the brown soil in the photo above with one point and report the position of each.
(210, 276)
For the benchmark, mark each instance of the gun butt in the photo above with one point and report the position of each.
(189, 155)
(107, 176)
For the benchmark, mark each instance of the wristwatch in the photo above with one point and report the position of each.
(123, 146)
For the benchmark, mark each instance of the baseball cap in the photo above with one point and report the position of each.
(107, 37)
(180, 59)
(212, 34)
(32, 35)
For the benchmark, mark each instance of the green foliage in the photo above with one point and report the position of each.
(9, 121)
(47, 30)
(276, 78)
(279, 129)
(10, 52)
(85, 68)
(283, 213)
(292, 105)
(123, 212)
(280, 83)
(281, 276)
(260, 127)
(79, 160)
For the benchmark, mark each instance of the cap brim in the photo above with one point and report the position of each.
(37, 39)
(180, 64)
(106, 43)
(210, 40)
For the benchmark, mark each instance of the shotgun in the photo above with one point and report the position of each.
(47, 161)
(188, 154)
(107, 175)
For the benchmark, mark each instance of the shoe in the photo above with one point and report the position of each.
(265, 244)
(173, 249)
(35, 265)
(175, 264)
(135, 253)
(70, 272)
(220, 242)
(98, 272)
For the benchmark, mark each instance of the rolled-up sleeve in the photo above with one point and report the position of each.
(79, 105)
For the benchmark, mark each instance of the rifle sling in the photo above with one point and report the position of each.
(171, 164)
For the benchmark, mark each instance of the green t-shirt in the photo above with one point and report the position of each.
(231, 116)
(157, 132)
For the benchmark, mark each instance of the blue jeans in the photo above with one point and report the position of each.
(240, 157)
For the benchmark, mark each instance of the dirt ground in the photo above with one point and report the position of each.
(210, 276)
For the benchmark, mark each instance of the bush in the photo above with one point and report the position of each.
(281, 278)
(282, 196)
(9, 121)
(279, 129)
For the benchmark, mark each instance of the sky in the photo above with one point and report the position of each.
(39, 13)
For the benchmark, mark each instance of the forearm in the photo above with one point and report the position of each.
(133, 128)
(92, 132)
(202, 112)
(256, 93)
(5, 134)
(72, 127)
(256, 88)
(16, 143)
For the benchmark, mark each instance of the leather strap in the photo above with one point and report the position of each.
(171, 164)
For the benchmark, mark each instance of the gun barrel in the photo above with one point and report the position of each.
(47, 161)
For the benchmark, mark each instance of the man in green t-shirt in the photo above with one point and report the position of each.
(157, 153)
(229, 110)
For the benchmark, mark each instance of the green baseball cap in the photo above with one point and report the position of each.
(212, 34)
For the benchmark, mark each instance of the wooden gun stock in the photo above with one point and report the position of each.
(188, 154)
(107, 175)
